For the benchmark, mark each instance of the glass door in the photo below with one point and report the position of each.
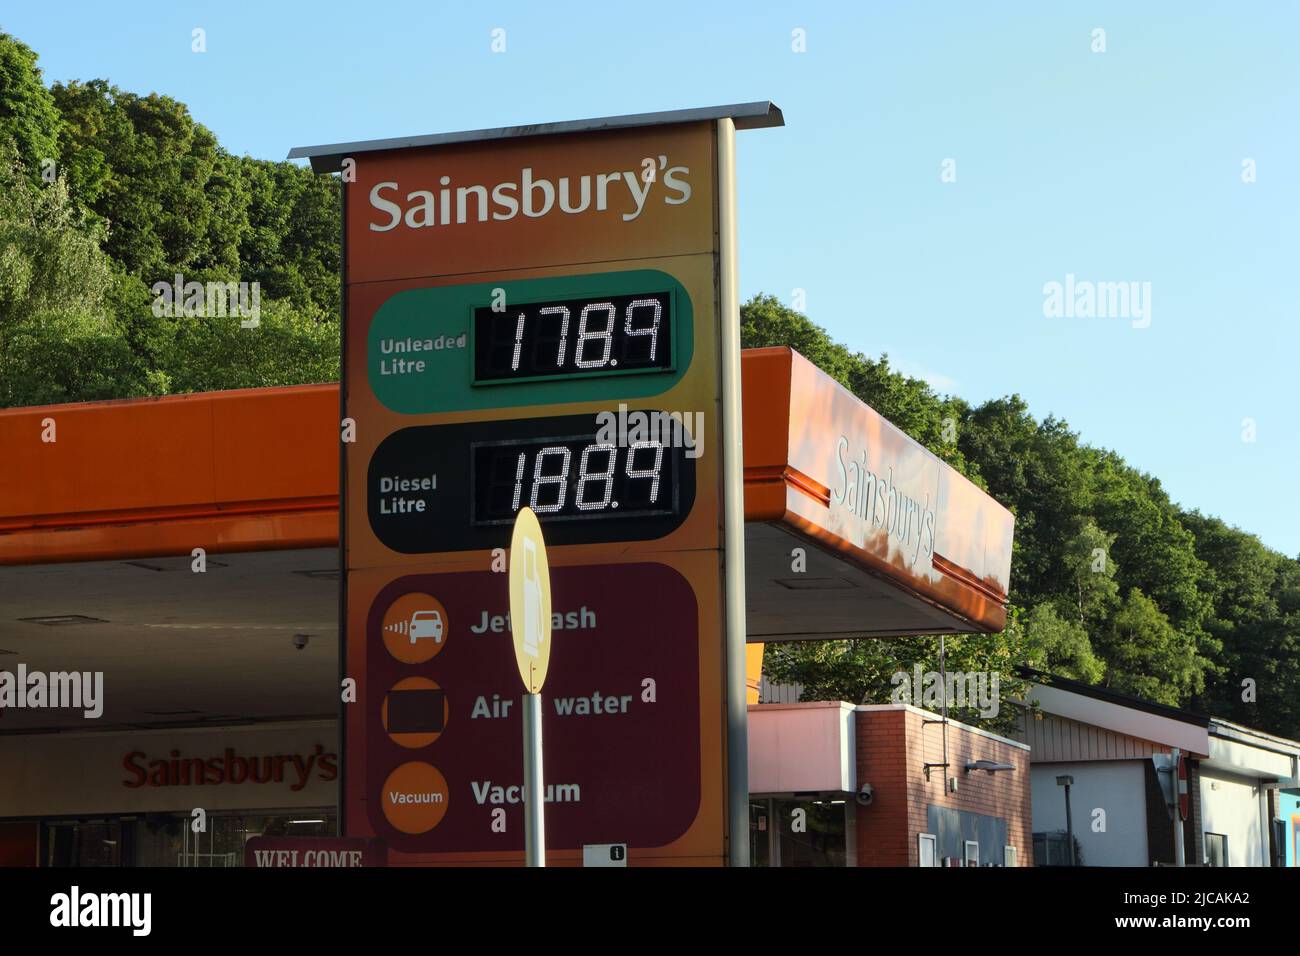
(84, 843)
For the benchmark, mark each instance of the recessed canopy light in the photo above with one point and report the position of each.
(63, 620)
(328, 574)
(185, 563)
(815, 584)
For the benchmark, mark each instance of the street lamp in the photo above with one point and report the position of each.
(1065, 780)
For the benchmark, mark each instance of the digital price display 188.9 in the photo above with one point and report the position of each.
(458, 487)
(574, 337)
(572, 478)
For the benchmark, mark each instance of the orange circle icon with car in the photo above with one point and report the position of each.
(415, 628)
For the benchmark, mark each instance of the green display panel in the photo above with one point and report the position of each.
(422, 344)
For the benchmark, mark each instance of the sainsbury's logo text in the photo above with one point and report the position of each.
(881, 504)
(180, 771)
(625, 192)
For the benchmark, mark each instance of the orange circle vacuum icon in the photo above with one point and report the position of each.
(415, 628)
(415, 797)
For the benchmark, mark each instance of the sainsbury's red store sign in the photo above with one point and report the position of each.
(291, 765)
(231, 767)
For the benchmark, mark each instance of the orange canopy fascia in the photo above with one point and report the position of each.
(244, 470)
(819, 459)
(258, 469)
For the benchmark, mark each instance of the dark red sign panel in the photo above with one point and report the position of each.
(621, 711)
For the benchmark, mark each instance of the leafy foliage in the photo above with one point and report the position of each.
(140, 193)
(28, 117)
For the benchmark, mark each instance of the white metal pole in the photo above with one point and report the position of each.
(534, 798)
(1179, 846)
(733, 511)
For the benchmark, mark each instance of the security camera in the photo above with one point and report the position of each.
(300, 641)
(866, 793)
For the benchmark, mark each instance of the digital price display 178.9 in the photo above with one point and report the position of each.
(572, 478)
(591, 336)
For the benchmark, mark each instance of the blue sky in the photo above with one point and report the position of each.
(1117, 166)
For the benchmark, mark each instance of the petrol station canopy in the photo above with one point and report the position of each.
(257, 470)
(132, 487)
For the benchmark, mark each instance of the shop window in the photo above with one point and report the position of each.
(159, 839)
(928, 845)
(84, 843)
(811, 832)
(1008, 856)
(971, 856)
(223, 843)
(166, 839)
(1216, 849)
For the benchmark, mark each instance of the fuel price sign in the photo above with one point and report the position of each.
(508, 294)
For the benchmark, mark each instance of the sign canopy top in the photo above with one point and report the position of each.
(757, 115)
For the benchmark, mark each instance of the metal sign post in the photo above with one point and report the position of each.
(534, 818)
(530, 626)
(733, 504)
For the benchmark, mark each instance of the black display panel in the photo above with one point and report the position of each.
(597, 335)
(572, 478)
(419, 711)
(437, 488)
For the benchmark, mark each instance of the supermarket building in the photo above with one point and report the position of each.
(186, 549)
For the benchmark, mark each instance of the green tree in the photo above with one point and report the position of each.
(1146, 656)
(1034, 470)
(285, 348)
(1060, 645)
(1094, 593)
(1253, 675)
(171, 196)
(1153, 550)
(51, 266)
(870, 670)
(28, 116)
(292, 244)
(59, 340)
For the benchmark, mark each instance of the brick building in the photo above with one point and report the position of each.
(834, 784)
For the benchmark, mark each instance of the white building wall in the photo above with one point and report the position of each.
(1116, 786)
(1230, 805)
